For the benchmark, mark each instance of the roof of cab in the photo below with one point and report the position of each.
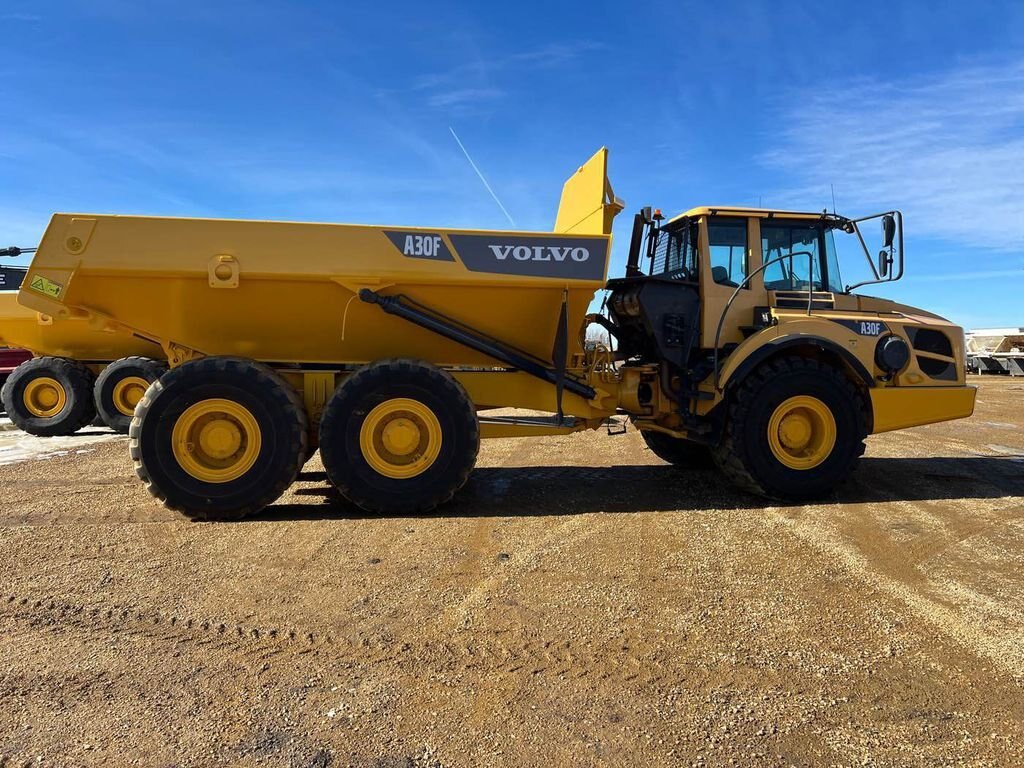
(761, 213)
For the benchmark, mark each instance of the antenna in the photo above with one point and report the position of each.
(488, 186)
(833, 188)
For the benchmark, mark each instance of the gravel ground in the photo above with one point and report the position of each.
(581, 603)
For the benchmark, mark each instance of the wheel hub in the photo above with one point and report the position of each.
(400, 438)
(216, 440)
(795, 431)
(44, 397)
(220, 438)
(802, 432)
(128, 392)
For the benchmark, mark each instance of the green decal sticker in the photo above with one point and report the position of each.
(44, 285)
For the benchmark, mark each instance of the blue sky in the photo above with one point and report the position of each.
(336, 111)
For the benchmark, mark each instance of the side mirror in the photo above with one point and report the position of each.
(888, 230)
(884, 263)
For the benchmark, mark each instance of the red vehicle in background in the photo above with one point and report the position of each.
(10, 359)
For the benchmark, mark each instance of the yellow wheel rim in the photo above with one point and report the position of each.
(44, 397)
(802, 432)
(127, 393)
(216, 440)
(400, 438)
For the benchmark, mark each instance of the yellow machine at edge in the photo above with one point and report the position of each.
(387, 347)
(78, 372)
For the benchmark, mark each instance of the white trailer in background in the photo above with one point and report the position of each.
(996, 350)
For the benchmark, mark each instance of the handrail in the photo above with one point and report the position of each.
(728, 304)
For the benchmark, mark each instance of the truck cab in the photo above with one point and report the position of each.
(719, 302)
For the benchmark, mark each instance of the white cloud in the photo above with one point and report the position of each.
(462, 96)
(470, 81)
(948, 150)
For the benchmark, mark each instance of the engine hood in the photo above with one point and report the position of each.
(913, 314)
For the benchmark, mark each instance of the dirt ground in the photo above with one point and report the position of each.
(581, 603)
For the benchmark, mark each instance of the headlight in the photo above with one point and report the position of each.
(892, 354)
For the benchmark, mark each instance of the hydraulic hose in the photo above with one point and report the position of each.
(14, 251)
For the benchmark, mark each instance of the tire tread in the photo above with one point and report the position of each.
(82, 410)
(259, 375)
(376, 375)
(730, 455)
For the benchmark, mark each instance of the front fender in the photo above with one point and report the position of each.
(824, 337)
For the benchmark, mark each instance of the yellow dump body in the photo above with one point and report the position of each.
(285, 292)
(24, 328)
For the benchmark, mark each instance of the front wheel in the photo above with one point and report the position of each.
(795, 429)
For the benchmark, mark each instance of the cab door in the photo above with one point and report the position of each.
(730, 253)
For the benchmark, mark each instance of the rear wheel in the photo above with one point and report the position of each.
(120, 387)
(49, 396)
(399, 436)
(218, 438)
(795, 430)
(676, 450)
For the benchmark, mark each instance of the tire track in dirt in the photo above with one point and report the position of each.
(504, 653)
(483, 550)
(1007, 653)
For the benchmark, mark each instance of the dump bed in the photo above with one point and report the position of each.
(287, 292)
(24, 328)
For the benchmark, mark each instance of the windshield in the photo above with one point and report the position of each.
(792, 241)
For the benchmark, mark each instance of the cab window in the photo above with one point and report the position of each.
(675, 252)
(727, 248)
(792, 242)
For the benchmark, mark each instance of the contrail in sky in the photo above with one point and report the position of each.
(466, 153)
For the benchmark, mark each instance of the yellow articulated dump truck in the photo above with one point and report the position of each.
(78, 371)
(389, 346)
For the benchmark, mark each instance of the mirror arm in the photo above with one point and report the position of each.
(867, 254)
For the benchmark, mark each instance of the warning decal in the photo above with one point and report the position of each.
(44, 285)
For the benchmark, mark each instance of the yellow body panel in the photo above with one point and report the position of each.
(588, 204)
(839, 325)
(287, 292)
(514, 389)
(41, 335)
(902, 407)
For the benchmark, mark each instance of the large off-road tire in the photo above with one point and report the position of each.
(120, 387)
(399, 437)
(218, 438)
(794, 430)
(677, 451)
(49, 396)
